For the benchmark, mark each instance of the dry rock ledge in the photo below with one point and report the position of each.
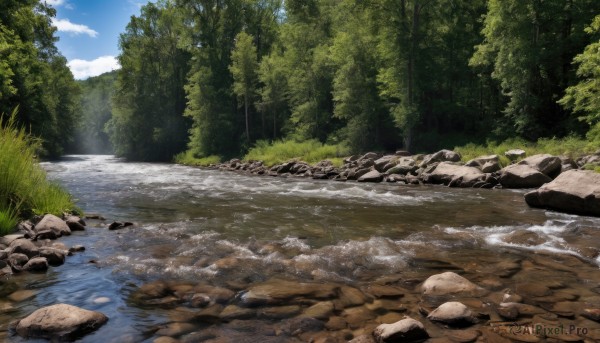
(567, 187)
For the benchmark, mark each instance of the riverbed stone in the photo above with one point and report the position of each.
(232, 312)
(522, 176)
(574, 191)
(23, 246)
(320, 310)
(350, 296)
(215, 294)
(17, 261)
(52, 223)
(36, 264)
(8, 239)
(372, 176)
(279, 312)
(277, 291)
(22, 295)
(450, 283)
(452, 313)
(74, 224)
(55, 257)
(405, 330)
(176, 329)
(60, 322)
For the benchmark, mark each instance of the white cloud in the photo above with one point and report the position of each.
(83, 69)
(65, 25)
(54, 3)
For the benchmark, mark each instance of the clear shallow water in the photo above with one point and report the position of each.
(223, 228)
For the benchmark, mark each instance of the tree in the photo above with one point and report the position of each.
(149, 101)
(584, 97)
(244, 69)
(529, 45)
(273, 94)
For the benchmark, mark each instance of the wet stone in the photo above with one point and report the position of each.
(462, 336)
(17, 261)
(363, 339)
(279, 312)
(532, 289)
(450, 283)
(389, 318)
(215, 294)
(23, 246)
(21, 295)
(384, 291)
(357, 316)
(54, 257)
(77, 248)
(350, 296)
(276, 291)
(406, 330)
(336, 323)
(452, 313)
(321, 310)
(36, 264)
(232, 312)
(176, 329)
(592, 314)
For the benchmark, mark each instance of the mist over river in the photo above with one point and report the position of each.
(236, 230)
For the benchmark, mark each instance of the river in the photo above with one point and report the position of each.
(236, 230)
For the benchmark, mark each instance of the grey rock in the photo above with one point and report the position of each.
(405, 330)
(522, 176)
(60, 322)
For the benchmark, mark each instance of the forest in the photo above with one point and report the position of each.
(216, 78)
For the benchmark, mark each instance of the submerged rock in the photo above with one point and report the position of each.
(60, 322)
(405, 330)
(277, 291)
(575, 191)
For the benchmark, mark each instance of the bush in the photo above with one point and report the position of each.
(310, 151)
(189, 159)
(24, 189)
(573, 147)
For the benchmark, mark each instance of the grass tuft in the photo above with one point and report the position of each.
(187, 158)
(24, 189)
(310, 151)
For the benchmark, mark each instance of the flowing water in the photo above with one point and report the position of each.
(235, 230)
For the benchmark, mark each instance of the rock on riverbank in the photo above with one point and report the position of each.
(444, 167)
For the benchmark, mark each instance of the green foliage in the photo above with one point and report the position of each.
(244, 68)
(149, 100)
(188, 158)
(528, 45)
(34, 76)
(310, 151)
(571, 146)
(584, 97)
(24, 189)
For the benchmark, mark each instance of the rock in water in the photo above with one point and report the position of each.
(405, 330)
(452, 313)
(450, 283)
(60, 322)
(54, 224)
(574, 191)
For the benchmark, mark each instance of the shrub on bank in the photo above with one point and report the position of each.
(573, 147)
(187, 158)
(24, 189)
(310, 151)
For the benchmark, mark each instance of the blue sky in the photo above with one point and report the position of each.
(89, 32)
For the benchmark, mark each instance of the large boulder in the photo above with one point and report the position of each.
(404, 165)
(440, 156)
(372, 176)
(575, 191)
(36, 264)
(60, 322)
(481, 160)
(544, 163)
(450, 283)
(23, 246)
(522, 176)
(381, 163)
(456, 175)
(405, 330)
(54, 224)
(515, 154)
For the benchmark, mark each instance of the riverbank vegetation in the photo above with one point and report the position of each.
(221, 79)
(34, 75)
(24, 189)
(376, 75)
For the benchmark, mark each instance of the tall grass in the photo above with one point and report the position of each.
(573, 147)
(24, 189)
(188, 158)
(310, 151)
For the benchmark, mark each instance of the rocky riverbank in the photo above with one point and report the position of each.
(580, 190)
